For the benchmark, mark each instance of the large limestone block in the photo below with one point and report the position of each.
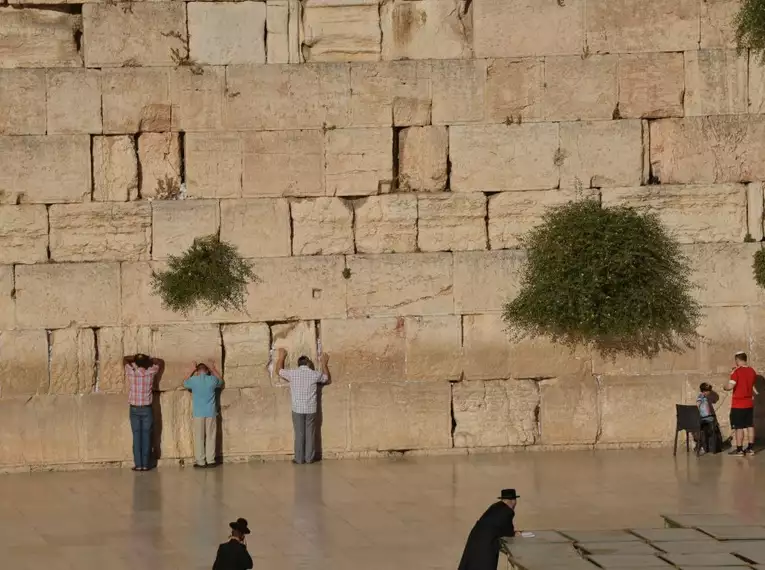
(568, 410)
(495, 414)
(246, 347)
(723, 332)
(427, 29)
(365, 350)
(754, 342)
(651, 85)
(278, 30)
(182, 345)
(619, 26)
(452, 222)
(485, 280)
(693, 214)
(423, 158)
(718, 28)
(7, 301)
(39, 37)
(756, 85)
(174, 411)
(115, 169)
(283, 163)
(258, 228)
(226, 33)
(45, 169)
(580, 88)
(104, 433)
(175, 224)
(515, 89)
(322, 226)
(136, 100)
(601, 153)
(402, 415)
(516, 28)
(197, 98)
(61, 294)
(341, 30)
(723, 274)
(715, 83)
(74, 101)
(213, 164)
(433, 348)
(111, 375)
(400, 285)
(23, 234)
(111, 33)
(459, 91)
(100, 231)
(503, 157)
(385, 224)
(24, 366)
(22, 101)
(72, 361)
(159, 155)
(298, 338)
(708, 150)
(666, 362)
(755, 209)
(359, 162)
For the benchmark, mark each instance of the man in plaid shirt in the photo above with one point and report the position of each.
(303, 389)
(140, 372)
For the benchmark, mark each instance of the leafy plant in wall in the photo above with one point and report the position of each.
(759, 267)
(750, 27)
(210, 274)
(607, 277)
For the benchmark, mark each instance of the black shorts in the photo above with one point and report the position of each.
(741, 418)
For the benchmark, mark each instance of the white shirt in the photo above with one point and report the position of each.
(303, 382)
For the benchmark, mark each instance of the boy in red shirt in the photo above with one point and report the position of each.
(742, 405)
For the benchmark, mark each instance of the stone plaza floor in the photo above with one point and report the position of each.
(412, 513)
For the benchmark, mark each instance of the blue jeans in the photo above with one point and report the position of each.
(141, 420)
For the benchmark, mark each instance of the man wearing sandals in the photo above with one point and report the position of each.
(140, 372)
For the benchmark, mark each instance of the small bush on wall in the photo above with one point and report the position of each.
(759, 267)
(750, 27)
(210, 274)
(609, 278)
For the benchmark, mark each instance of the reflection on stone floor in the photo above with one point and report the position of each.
(342, 515)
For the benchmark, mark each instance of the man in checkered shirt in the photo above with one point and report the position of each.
(304, 382)
(140, 372)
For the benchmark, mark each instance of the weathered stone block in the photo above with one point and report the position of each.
(72, 361)
(452, 222)
(278, 31)
(7, 302)
(693, 214)
(665, 362)
(389, 416)
(485, 280)
(298, 338)
(197, 99)
(45, 169)
(359, 162)
(322, 226)
(428, 29)
(24, 366)
(341, 30)
(175, 410)
(568, 410)
(111, 33)
(755, 331)
(74, 101)
(642, 25)
(708, 150)
(495, 414)
(433, 348)
(115, 169)
(63, 294)
(459, 91)
(400, 285)
(39, 37)
(385, 224)
(716, 83)
(22, 101)
(136, 100)
(213, 165)
(423, 158)
(601, 154)
(246, 347)
(108, 231)
(23, 234)
(181, 345)
(756, 85)
(504, 157)
(283, 163)
(724, 331)
(515, 89)
(516, 28)
(580, 88)
(723, 274)
(111, 371)
(159, 155)
(755, 209)
(717, 24)
(102, 429)
(384, 94)
(226, 33)
(258, 228)
(176, 223)
(651, 85)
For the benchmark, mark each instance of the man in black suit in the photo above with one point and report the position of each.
(483, 546)
(233, 555)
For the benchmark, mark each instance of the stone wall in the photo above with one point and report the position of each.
(378, 162)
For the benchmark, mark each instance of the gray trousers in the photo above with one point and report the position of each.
(305, 437)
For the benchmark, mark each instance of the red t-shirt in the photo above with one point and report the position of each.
(744, 377)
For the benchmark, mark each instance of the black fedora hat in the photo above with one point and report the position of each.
(240, 525)
(508, 495)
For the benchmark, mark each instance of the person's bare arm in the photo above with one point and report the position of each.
(216, 373)
(281, 356)
(325, 367)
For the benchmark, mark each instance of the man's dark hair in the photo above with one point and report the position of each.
(741, 356)
(705, 387)
(203, 368)
(305, 361)
(143, 361)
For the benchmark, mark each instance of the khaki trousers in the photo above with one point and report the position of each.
(205, 434)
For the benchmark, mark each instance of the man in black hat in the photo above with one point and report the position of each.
(483, 546)
(233, 555)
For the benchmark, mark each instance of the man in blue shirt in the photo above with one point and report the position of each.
(203, 384)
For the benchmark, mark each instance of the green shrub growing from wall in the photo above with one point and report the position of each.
(759, 267)
(607, 277)
(750, 27)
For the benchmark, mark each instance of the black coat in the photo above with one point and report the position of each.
(482, 547)
(232, 555)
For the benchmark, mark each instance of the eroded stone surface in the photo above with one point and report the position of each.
(197, 98)
(38, 38)
(359, 162)
(715, 83)
(452, 222)
(23, 234)
(422, 158)
(485, 280)
(246, 347)
(135, 100)
(341, 30)
(74, 101)
(72, 361)
(175, 224)
(22, 101)
(258, 228)
(159, 155)
(298, 338)
(515, 89)
(213, 165)
(566, 406)
(651, 85)
(225, 33)
(386, 224)
(385, 93)
(7, 304)
(433, 348)
(322, 226)
(577, 88)
(459, 91)
(115, 169)
(24, 366)
(722, 273)
(111, 375)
